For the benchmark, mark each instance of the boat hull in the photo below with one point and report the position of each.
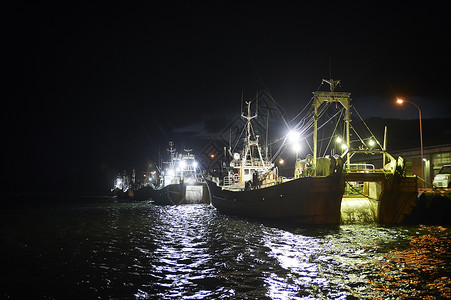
(176, 194)
(398, 201)
(308, 200)
(388, 199)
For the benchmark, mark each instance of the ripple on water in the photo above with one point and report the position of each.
(126, 250)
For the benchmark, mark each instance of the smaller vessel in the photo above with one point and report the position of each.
(123, 187)
(180, 182)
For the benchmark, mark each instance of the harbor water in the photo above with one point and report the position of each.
(98, 248)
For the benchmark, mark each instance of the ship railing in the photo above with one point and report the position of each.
(268, 184)
(227, 181)
(362, 168)
(241, 187)
(254, 164)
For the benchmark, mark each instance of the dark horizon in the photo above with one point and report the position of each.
(95, 88)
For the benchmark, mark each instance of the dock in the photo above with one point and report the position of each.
(432, 206)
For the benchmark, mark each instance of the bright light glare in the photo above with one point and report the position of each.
(293, 136)
(118, 183)
(281, 161)
(296, 147)
(194, 164)
(399, 101)
(338, 139)
(371, 143)
(182, 165)
(344, 146)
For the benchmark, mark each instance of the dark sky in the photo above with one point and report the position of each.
(95, 88)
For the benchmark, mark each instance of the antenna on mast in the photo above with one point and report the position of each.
(230, 141)
(266, 138)
(330, 66)
(256, 105)
(332, 83)
(242, 99)
(171, 150)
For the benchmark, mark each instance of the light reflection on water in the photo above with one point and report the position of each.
(142, 251)
(326, 265)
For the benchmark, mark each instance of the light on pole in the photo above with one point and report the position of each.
(401, 101)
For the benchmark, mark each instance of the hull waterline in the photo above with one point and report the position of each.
(308, 200)
(177, 194)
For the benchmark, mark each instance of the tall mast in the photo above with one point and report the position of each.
(318, 98)
(266, 138)
(171, 149)
(248, 118)
(248, 143)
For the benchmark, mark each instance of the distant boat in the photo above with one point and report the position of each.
(319, 191)
(181, 182)
(123, 187)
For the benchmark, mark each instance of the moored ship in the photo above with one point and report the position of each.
(252, 187)
(323, 190)
(181, 182)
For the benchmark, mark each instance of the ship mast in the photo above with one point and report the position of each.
(248, 118)
(321, 96)
(171, 150)
(249, 143)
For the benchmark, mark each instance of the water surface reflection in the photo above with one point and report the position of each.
(142, 251)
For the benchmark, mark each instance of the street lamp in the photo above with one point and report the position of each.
(401, 101)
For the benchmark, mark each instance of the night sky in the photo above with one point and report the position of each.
(92, 89)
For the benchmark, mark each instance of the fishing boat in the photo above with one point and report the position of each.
(123, 187)
(322, 189)
(252, 187)
(180, 182)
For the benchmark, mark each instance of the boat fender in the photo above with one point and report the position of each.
(401, 167)
(247, 185)
(400, 170)
(338, 167)
(236, 177)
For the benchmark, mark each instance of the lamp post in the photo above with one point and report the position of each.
(401, 101)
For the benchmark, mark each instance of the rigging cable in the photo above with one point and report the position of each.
(302, 130)
(368, 128)
(355, 131)
(336, 125)
(305, 107)
(238, 139)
